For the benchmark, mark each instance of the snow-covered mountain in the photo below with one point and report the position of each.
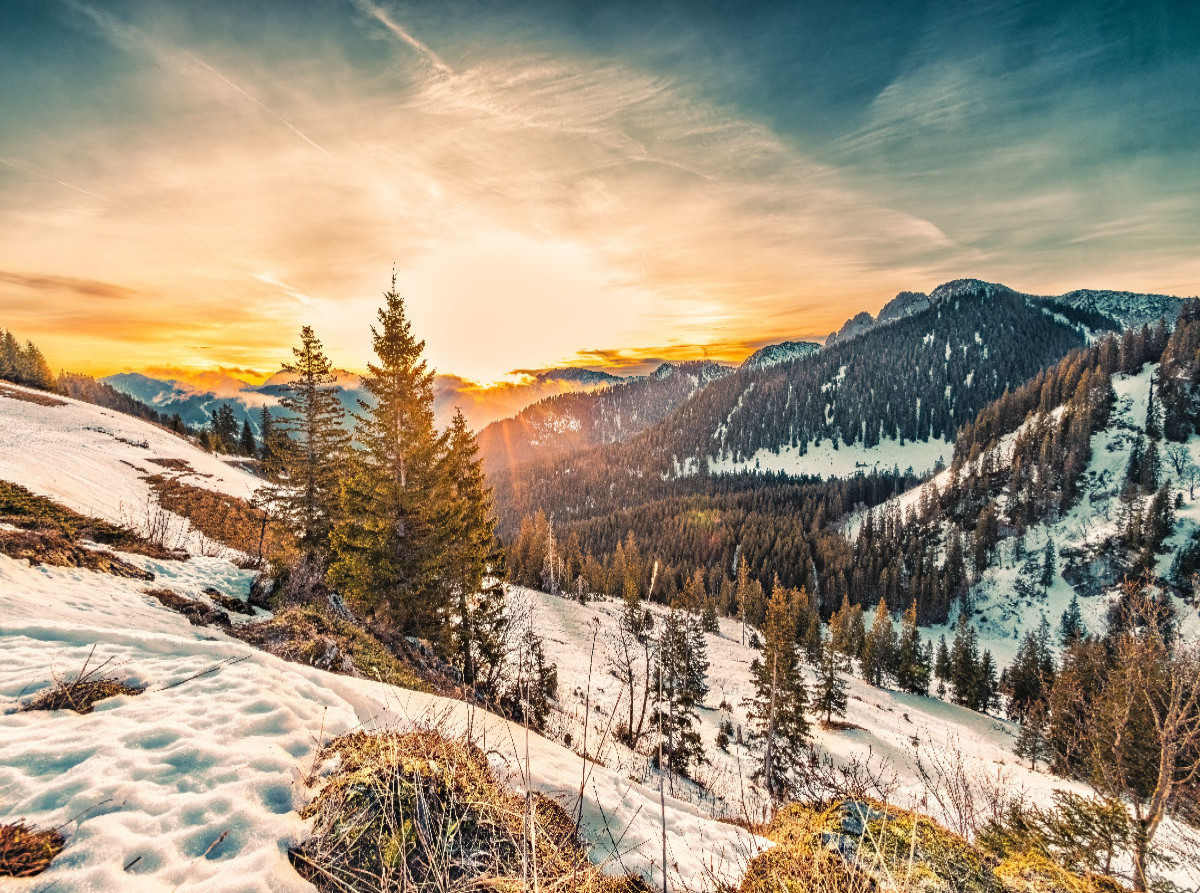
(784, 352)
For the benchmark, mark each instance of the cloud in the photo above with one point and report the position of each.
(47, 282)
(536, 198)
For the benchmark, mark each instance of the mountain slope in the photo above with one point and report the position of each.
(197, 781)
(568, 422)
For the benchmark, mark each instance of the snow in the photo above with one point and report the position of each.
(219, 742)
(825, 461)
(93, 460)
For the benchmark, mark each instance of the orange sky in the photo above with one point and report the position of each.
(540, 206)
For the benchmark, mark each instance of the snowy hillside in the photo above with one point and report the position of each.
(197, 781)
(1001, 616)
(924, 748)
(95, 460)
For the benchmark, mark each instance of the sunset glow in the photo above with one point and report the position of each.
(183, 186)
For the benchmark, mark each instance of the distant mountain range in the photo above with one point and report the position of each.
(884, 392)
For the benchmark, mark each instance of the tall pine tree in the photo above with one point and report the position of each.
(388, 549)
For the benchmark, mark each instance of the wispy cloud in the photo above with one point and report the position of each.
(379, 14)
(45, 282)
(25, 169)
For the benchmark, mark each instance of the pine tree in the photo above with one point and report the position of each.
(1049, 566)
(964, 664)
(682, 668)
(941, 664)
(472, 560)
(1071, 628)
(1032, 742)
(777, 709)
(274, 445)
(879, 648)
(246, 444)
(532, 683)
(831, 691)
(987, 692)
(388, 547)
(912, 664)
(308, 493)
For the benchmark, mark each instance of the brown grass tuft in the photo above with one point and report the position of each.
(27, 852)
(56, 524)
(197, 613)
(418, 810)
(30, 397)
(307, 635)
(83, 691)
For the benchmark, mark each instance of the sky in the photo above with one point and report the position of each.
(183, 185)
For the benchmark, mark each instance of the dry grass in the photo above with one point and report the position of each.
(52, 521)
(83, 691)
(853, 846)
(26, 851)
(420, 811)
(197, 613)
(224, 519)
(51, 548)
(1031, 872)
(29, 397)
(172, 464)
(307, 635)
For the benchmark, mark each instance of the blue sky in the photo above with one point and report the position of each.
(185, 184)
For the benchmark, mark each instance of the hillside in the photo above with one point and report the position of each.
(567, 422)
(198, 780)
(1088, 474)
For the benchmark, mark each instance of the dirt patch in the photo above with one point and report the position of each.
(26, 851)
(197, 613)
(222, 518)
(51, 548)
(306, 635)
(172, 464)
(228, 602)
(421, 811)
(27, 510)
(30, 397)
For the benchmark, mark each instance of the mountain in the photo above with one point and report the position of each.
(1099, 310)
(784, 352)
(1095, 462)
(571, 421)
(196, 407)
(760, 462)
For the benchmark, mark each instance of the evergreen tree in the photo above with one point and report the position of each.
(964, 664)
(912, 662)
(941, 664)
(1049, 565)
(777, 709)
(1071, 628)
(831, 692)
(532, 682)
(308, 493)
(682, 671)
(1029, 680)
(879, 648)
(274, 444)
(472, 561)
(1032, 742)
(246, 444)
(388, 547)
(987, 692)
